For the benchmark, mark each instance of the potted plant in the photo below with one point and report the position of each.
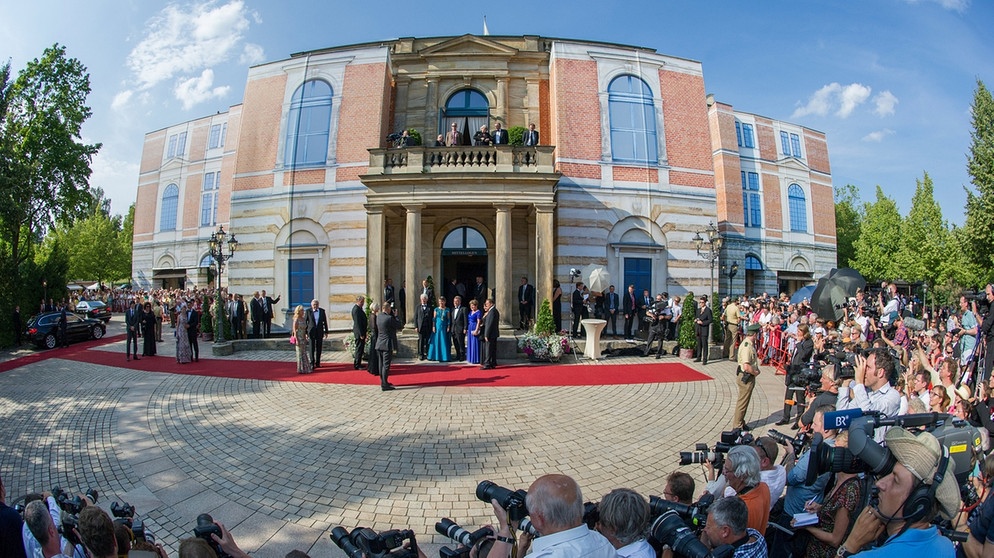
(543, 342)
(207, 325)
(687, 338)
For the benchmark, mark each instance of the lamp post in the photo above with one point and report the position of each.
(44, 302)
(712, 242)
(730, 273)
(217, 249)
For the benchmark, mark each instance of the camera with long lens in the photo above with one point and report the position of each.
(716, 455)
(513, 502)
(363, 541)
(798, 442)
(671, 530)
(70, 511)
(526, 526)
(452, 530)
(124, 513)
(207, 527)
(694, 515)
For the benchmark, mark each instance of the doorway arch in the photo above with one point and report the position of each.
(463, 258)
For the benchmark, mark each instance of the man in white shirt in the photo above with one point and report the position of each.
(871, 389)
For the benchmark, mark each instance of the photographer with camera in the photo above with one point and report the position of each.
(827, 393)
(727, 526)
(871, 390)
(658, 319)
(919, 486)
(623, 518)
(555, 507)
(794, 396)
(679, 488)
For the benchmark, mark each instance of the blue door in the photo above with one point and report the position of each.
(638, 272)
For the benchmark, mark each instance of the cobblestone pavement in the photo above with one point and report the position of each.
(281, 463)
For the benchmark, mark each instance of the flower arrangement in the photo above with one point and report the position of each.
(350, 344)
(543, 342)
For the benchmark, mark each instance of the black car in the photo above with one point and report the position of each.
(93, 309)
(43, 329)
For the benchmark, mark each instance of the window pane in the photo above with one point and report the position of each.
(747, 135)
(181, 144)
(621, 116)
(622, 145)
(756, 209)
(784, 144)
(206, 209)
(753, 263)
(215, 138)
(308, 124)
(171, 151)
(170, 203)
(301, 282)
(474, 239)
(795, 143)
(738, 133)
(797, 208)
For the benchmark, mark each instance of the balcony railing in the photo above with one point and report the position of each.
(463, 159)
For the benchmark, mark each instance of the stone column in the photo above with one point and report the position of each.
(375, 229)
(412, 261)
(545, 244)
(502, 265)
(431, 111)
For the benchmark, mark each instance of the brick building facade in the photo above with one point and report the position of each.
(633, 160)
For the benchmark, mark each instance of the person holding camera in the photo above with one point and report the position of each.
(919, 487)
(794, 396)
(624, 517)
(386, 332)
(727, 526)
(555, 507)
(870, 390)
(657, 328)
(38, 519)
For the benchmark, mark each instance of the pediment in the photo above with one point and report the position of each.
(471, 45)
(794, 164)
(174, 164)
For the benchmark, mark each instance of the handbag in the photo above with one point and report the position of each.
(293, 339)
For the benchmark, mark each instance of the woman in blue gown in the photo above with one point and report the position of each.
(472, 341)
(440, 344)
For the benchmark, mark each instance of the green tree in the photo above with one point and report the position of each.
(686, 336)
(879, 239)
(924, 238)
(979, 224)
(848, 221)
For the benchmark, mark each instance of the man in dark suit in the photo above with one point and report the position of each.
(500, 135)
(460, 321)
(644, 304)
(428, 291)
(531, 136)
(480, 291)
(491, 331)
(388, 291)
(132, 319)
(702, 329)
(268, 312)
(316, 321)
(612, 304)
(387, 325)
(402, 301)
(193, 318)
(630, 306)
(422, 321)
(360, 325)
(577, 307)
(255, 314)
(526, 303)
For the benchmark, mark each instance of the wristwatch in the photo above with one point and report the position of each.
(842, 552)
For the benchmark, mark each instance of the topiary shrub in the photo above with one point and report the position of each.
(415, 136)
(544, 325)
(687, 338)
(516, 135)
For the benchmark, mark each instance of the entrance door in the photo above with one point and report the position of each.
(464, 257)
(638, 272)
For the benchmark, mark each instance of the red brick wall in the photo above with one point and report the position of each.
(816, 150)
(636, 174)
(545, 114)
(190, 202)
(309, 176)
(823, 212)
(364, 112)
(153, 151)
(146, 206)
(198, 139)
(577, 170)
(578, 111)
(772, 208)
(258, 143)
(228, 164)
(765, 139)
(685, 113)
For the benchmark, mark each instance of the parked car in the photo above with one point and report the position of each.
(43, 329)
(94, 309)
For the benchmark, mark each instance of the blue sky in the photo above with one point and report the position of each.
(889, 81)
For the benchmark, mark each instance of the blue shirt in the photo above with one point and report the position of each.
(797, 493)
(913, 542)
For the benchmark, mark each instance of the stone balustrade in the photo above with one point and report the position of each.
(462, 159)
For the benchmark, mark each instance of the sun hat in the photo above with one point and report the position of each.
(920, 455)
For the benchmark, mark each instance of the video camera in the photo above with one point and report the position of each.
(863, 454)
(513, 502)
(453, 531)
(364, 542)
(716, 455)
(124, 513)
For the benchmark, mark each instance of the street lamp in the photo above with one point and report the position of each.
(730, 273)
(44, 302)
(713, 244)
(217, 249)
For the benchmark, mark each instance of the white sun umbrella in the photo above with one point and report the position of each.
(597, 278)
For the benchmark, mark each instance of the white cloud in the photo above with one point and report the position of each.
(834, 97)
(117, 177)
(198, 89)
(878, 136)
(251, 54)
(121, 99)
(955, 5)
(184, 41)
(885, 102)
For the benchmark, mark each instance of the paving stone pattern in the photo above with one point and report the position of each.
(281, 463)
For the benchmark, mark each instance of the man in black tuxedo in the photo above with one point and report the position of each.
(388, 291)
(422, 321)
(702, 328)
(526, 303)
(402, 299)
(500, 135)
(645, 303)
(491, 331)
(531, 136)
(427, 290)
(193, 318)
(316, 321)
(460, 321)
(387, 325)
(480, 291)
(630, 306)
(268, 312)
(612, 304)
(360, 325)
(577, 306)
(132, 321)
(255, 314)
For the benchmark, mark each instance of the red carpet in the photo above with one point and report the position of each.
(401, 375)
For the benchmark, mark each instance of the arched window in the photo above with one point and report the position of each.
(633, 120)
(468, 109)
(798, 208)
(170, 204)
(752, 263)
(464, 238)
(308, 124)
